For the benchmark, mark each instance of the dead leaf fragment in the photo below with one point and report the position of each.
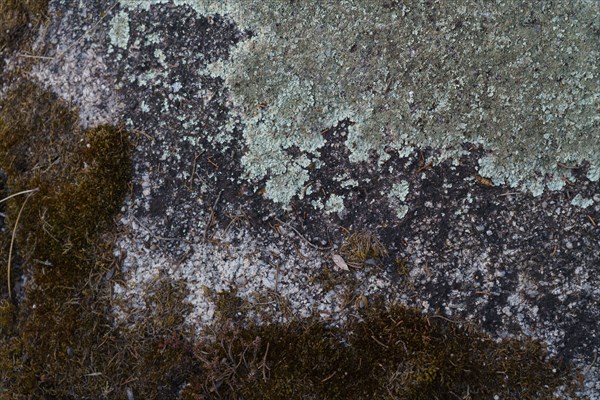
(339, 261)
(486, 182)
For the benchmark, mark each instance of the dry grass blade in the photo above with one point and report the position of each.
(12, 239)
(18, 194)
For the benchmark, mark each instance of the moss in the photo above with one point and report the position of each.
(61, 237)
(16, 19)
(7, 315)
(387, 353)
(64, 344)
(327, 278)
(228, 305)
(359, 247)
(81, 177)
(60, 340)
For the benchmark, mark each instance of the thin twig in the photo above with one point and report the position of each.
(185, 256)
(159, 238)
(107, 12)
(19, 193)
(589, 367)
(35, 57)
(263, 364)
(212, 215)
(62, 53)
(444, 318)
(302, 236)
(12, 242)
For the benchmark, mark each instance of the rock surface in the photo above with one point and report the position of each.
(255, 158)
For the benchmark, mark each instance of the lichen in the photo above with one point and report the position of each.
(581, 201)
(334, 204)
(520, 80)
(397, 196)
(119, 30)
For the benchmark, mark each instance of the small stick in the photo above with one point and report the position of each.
(159, 238)
(444, 318)
(191, 183)
(277, 275)
(329, 377)
(35, 57)
(185, 257)
(305, 239)
(214, 164)
(19, 193)
(425, 167)
(589, 367)
(381, 343)
(567, 181)
(12, 242)
(509, 193)
(212, 214)
(592, 220)
(263, 364)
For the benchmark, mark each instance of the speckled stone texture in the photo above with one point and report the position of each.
(475, 249)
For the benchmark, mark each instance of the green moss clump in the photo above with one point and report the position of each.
(395, 353)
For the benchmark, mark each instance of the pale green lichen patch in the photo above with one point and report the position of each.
(594, 172)
(581, 201)
(519, 79)
(335, 204)
(399, 191)
(119, 30)
(397, 196)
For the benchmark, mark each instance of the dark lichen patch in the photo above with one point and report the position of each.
(386, 353)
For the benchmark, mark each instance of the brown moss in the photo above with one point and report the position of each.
(327, 278)
(395, 353)
(18, 20)
(60, 340)
(228, 305)
(359, 247)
